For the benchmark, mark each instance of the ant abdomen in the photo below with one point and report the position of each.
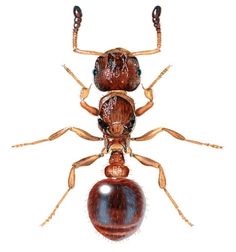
(116, 207)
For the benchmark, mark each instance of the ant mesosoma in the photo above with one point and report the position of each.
(116, 205)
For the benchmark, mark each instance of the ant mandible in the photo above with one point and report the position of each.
(116, 205)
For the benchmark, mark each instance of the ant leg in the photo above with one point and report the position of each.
(76, 79)
(152, 133)
(77, 21)
(83, 94)
(140, 111)
(149, 94)
(161, 181)
(71, 179)
(92, 110)
(81, 133)
(146, 90)
(156, 22)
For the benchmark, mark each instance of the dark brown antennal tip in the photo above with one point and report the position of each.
(78, 18)
(156, 17)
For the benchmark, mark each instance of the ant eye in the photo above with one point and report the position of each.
(95, 71)
(139, 72)
(102, 124)
(130, 125)
(110, 61)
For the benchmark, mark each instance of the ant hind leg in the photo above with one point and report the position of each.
(71, 180)
(161, 181)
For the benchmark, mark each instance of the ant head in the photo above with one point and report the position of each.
(117, 69)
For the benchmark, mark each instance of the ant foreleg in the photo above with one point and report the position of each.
(149, 94)
(161, 181)
(156, 80)
(152, 133)
(71, 179)
(76, 79)
(81, 133)
(83, 94)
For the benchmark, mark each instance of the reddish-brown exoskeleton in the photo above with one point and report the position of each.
(116, 205)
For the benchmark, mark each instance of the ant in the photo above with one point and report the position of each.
(116, 204)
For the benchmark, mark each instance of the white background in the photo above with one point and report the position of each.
(195, 98)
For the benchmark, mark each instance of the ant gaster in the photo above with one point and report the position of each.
(116, 205)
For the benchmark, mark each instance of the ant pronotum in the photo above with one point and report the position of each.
(116, 205)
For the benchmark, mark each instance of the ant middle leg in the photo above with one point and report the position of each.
(161, 180)
(152, 133)
(81, 133)
(71, 179)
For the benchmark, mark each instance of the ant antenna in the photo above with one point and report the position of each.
(156, 22)
(77, 21)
